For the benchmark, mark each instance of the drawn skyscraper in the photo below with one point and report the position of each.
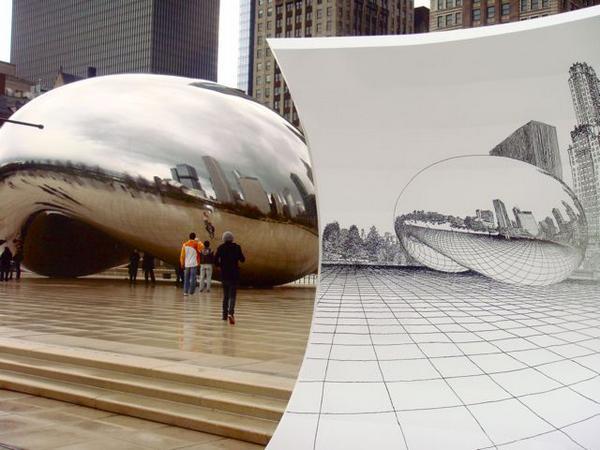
(504, 222)
(585, 92)
(584, 152)
(534, 143)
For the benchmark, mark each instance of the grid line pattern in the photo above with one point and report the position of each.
(518, 261)
(405, 358)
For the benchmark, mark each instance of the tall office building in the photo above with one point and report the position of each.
(187, 175)
(218, 179)
(311, 18)
(584, 151)
(534, 143)
(453, 14)
(585, 92)
(254, 193)
(246, 46)
(421, 19)
(175, 37)
(504, 222)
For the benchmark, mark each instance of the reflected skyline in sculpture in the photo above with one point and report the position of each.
(174, 153)
(532, 234)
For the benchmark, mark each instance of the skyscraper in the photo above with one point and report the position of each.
(246, 46)
(502, 215)
(585, 92)
(254, 193)
(187, 175)
(535, 143)
(175, 37)
(453, 14)
(307, 18)
(218, 180)
(584, 151)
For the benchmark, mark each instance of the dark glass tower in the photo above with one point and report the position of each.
(246, 45)
(175, 37)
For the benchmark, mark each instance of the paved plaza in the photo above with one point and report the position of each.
(159, 322)
(30, 422)
(417, 359)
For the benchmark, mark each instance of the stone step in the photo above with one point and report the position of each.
(154, 387)
(200, 418)
(230, 380)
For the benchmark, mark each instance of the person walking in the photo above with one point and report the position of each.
(178, 275)
(5, 260)
(17, 260)
(227, 258)
(134, 262)
(189, 260)
(207, 259)
(148, 267)
(18, 257)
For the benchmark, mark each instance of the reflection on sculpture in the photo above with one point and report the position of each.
(500, 217)
(139, 161)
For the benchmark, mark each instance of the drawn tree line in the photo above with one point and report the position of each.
(351, 245)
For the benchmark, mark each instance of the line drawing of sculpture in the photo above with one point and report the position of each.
(507, 220)
(140, 161)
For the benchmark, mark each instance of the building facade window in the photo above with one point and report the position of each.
(491, 12)
(476, 15)
(440, 22)
(505, 9)
(535, 4)
(449, 20)
(524, 4)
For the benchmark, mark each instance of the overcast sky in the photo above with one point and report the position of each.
(375, 116)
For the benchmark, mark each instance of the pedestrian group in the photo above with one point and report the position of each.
(196, 256)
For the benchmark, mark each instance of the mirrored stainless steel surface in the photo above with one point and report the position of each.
(503, 218)
(140, 161)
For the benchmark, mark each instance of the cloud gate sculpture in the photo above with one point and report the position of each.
(140, 161)
(503, 218)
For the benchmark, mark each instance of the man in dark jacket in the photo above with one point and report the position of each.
(5, 260)
(227, 258)
(148, 267)
(134, 262)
